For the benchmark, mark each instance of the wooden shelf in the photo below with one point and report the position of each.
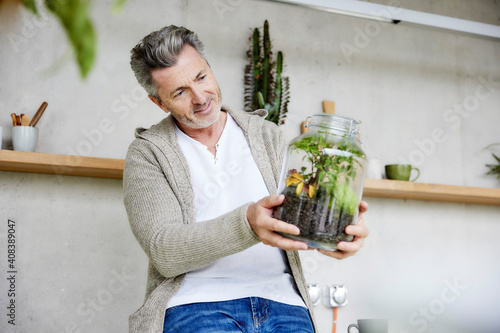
(431, 192)
(63, 165)
(69, 165)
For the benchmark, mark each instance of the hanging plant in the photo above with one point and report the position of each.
(265, 87)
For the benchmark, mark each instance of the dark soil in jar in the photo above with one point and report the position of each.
(317, 222)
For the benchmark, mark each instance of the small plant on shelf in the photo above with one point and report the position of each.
(494, 168)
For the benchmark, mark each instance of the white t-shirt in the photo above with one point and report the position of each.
(221, 184)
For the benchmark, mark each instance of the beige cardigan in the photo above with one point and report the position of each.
(159, 201)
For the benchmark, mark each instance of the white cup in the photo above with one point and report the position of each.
(0, 137)
(24, 138)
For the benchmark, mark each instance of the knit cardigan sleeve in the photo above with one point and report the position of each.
(164, 225)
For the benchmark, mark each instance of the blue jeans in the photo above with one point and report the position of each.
(250, 315)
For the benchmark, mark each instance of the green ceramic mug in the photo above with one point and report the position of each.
(400, 172)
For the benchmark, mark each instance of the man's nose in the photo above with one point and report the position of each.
(198, 97)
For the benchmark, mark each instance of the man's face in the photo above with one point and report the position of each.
(189, 91)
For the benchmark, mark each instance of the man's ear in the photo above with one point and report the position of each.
(159, 103)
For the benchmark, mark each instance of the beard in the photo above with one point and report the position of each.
(198, 122)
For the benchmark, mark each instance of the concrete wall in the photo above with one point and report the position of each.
(78, 266)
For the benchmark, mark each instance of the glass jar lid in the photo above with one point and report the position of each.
(344, 125)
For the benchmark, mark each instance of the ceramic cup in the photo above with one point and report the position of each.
(400, 172)
(24, 138)
(369, 326)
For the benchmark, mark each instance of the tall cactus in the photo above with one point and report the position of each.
(265, 88)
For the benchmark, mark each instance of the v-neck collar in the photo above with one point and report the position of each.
(221, 140)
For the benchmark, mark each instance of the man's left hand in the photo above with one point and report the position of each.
(358, 230)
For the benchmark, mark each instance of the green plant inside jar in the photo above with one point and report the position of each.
(318, 197)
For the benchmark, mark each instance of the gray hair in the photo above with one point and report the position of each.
(161, 49)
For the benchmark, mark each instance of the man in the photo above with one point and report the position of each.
(197, 191)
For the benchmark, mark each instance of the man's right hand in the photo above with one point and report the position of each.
(259, 216)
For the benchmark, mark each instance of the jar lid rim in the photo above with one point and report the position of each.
(347, 125)
(332, 116)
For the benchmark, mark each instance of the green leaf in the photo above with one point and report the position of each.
(494, 169)
(118, 6)
(492, 145)
(74, 16)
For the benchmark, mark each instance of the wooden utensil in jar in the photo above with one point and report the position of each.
(38, 114)
(25, 120)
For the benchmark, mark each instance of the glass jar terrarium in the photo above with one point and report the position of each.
(322, 180)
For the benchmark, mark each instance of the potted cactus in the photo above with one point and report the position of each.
(265, 87)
